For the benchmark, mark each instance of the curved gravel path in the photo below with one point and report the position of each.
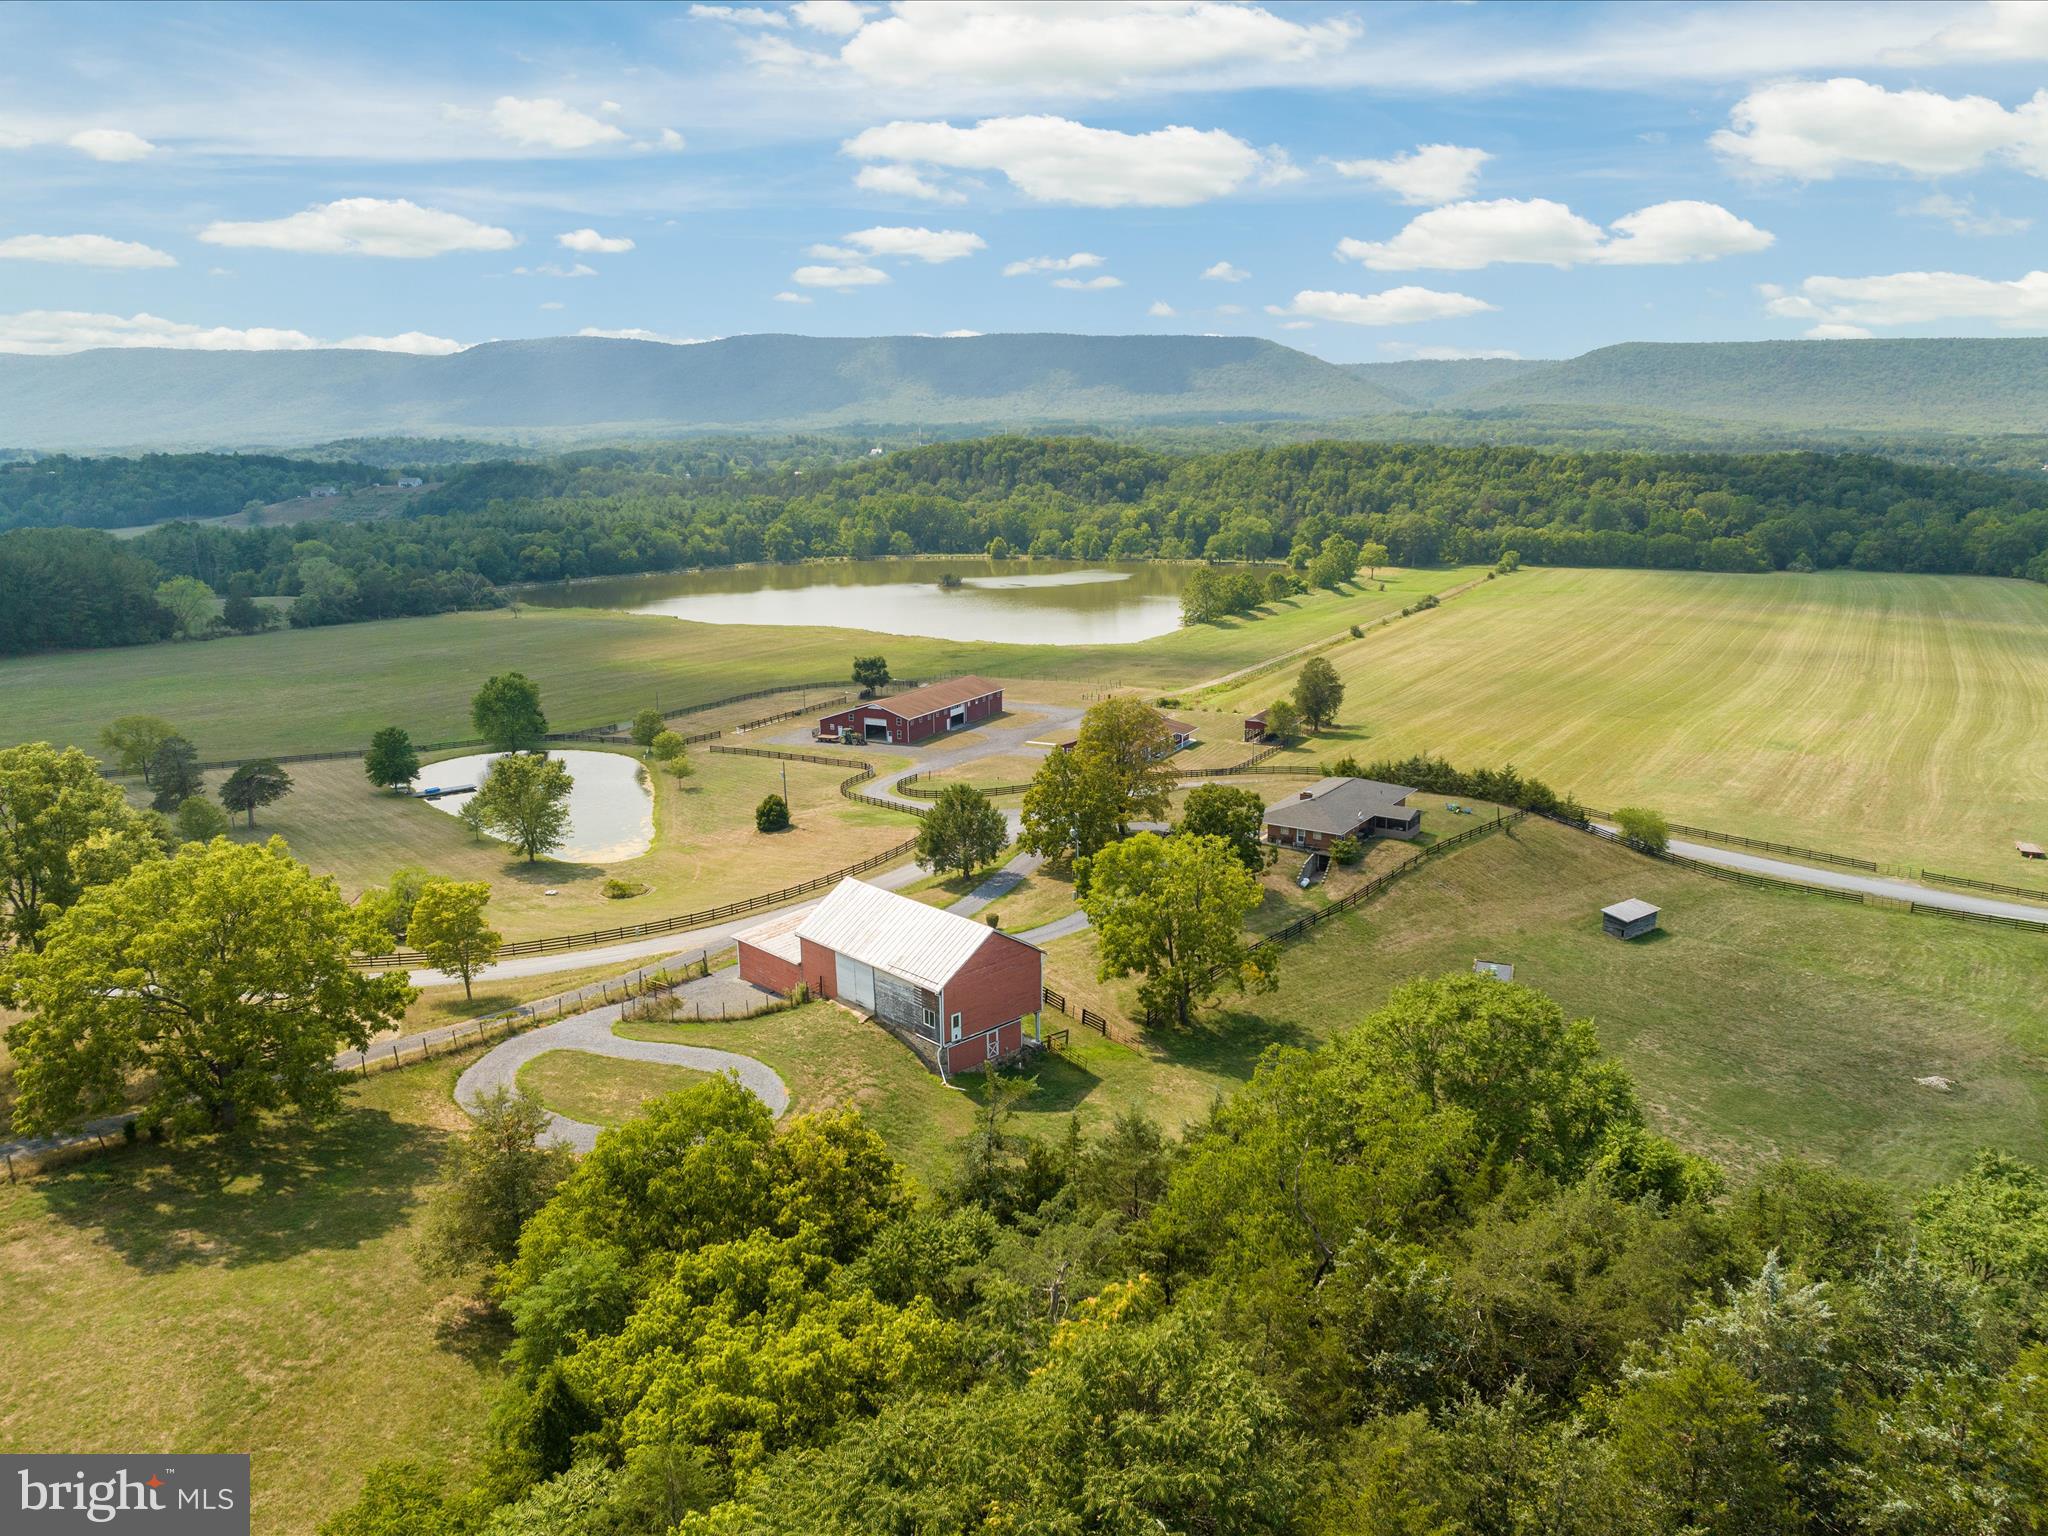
(592, 1031)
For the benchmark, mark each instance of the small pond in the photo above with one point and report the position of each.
(1044, 602)
(611, 808)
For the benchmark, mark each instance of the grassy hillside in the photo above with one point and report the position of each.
(128, 397)
(1898, 717)
(1955, 384)
(328, 689)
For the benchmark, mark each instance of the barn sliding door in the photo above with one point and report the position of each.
(855, 983)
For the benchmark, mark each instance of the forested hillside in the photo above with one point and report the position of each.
(584, 384)
(616, 512)
(66, 492)
(1953, 384)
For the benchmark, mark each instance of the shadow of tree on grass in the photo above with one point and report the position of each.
(286, 1188)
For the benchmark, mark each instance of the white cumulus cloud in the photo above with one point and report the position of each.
(1815, 129)
(1224, 272)
(1466, 236)
(740, 15)
(1429, 173)
(115, 144)
(1080, 261)
(1406, 305)
(542, 122)
(1913, 298)
(1107, 48)
(932, 245)
(364, 226)
(786, 297)
(50, 331)
(1962, 215)
(840, 18)
(1088, 284)
(556, 269)
(590, 242)
(635, 333)
(1057, 160)
(904, 181)
(841, 277)
(84, 251)
(1161, 310)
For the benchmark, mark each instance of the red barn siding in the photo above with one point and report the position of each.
(765, 970)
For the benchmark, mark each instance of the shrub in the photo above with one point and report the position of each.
(1346, 850)
(618, 890)
(1644, 829)
(772, 815)
(1357, 633)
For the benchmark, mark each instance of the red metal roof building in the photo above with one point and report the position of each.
(960, 993)
(932, 710)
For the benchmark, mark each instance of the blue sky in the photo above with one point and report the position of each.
(1365, 182)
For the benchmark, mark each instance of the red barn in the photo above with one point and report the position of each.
(961, 993)
(931, 710)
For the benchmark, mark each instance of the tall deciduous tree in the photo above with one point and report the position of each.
(174, 773)
(498, 1174)
(448, 927)
(189, 601)
(133, 740)
(1127, 742)
(961, 831)
(1646, 829)
(199, 820)
(392, 761)
(506, 713)
(53, 805)
(222, 972)
(255, 784)
(648, 724)
(1070, 810)
(1235, 815)
(1318, 692)
(872, 673)
(1173, 909)
(244, 615)
(1283, 720)
(525, 801)
(1534, 1082)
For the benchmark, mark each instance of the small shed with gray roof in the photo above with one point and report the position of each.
(1330, 809)
(1628, 919)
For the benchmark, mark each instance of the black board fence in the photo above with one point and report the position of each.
(2025, 893)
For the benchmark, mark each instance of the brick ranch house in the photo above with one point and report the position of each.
(960, 993)
(1332, 808)
(932, 710)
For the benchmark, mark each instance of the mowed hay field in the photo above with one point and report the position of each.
(1758, 1023)
(318, 690)
(1899, 718)
(260, 1296)
(706, 851)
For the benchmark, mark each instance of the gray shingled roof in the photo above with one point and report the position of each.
(1337, 806)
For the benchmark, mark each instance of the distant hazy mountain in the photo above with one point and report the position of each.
(1425, 382)
(1950, 384)
(584, 387)
(120, 398)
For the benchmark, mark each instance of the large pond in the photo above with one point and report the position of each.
(1047, 602)
(611, 808)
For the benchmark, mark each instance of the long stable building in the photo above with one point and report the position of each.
(961, 993)
(932, 710)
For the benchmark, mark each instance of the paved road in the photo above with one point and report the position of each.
(1869, 885)
(592, 1032)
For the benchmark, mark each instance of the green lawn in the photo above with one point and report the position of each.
(260, 1296)
(1900, 718)
(706, 851)
(1758, 1023)
(328, 689)
(600, 1090)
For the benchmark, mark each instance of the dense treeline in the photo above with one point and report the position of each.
(1434, 1278)
(61, 589)
(620, 511)
(66, 492)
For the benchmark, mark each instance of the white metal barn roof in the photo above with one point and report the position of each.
(1628, 911)
(893, 933)
(777, 936)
